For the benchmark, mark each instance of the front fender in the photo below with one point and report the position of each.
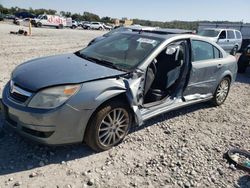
(93, 94)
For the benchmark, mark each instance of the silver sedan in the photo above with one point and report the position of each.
(96, 94)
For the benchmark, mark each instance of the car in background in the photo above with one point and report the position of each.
(2, 16)
(107, 27)
(19, 21)
(97, 94)
(96, 26)
(52, 21)
(74, 24)
(229, 39)
(84, 24)
(23, 15)
(244, 60)
(9, 17)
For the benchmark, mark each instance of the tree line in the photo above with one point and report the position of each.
(88, 16)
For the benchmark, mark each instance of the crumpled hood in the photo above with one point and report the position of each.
(57, 70)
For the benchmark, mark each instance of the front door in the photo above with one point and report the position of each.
(223, 41)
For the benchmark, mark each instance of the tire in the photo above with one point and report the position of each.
(100, 28)
(221, 92)
(88, 28)
(73, 27)
(102, 133)
(39, 24)
(60, 26)
(242, 64)
(234, 51)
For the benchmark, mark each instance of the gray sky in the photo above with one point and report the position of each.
(158, 10)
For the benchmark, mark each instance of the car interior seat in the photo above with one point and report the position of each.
(168, 71)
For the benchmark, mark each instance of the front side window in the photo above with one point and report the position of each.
(223, 35)
(124, 51)
(204, 51)
(230, 34)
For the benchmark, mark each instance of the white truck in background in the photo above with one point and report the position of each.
(244, 28)
(52, 21)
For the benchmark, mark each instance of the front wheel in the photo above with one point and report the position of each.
(39, 24)
(221, 92)
(108, 127)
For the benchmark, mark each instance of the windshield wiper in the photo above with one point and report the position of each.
(85, 57)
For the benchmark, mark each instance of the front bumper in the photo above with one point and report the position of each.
(62, 125)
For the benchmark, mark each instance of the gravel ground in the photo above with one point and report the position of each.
(183, 148)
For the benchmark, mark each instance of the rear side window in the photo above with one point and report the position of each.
(230, 34)
(204, 51)
(238, 35)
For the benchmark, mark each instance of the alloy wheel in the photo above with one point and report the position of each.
(222, 91)
(113, 127)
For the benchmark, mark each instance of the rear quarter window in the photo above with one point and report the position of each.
(217, 53)
(238, 35)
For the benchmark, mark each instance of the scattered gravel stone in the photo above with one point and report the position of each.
(90, 182)
(232, 166)
(18, 183)
(33, 174)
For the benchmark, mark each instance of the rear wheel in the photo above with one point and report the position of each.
(221, 92)
(234, 51)
(39, 24)
(60, 26)
(108, 127)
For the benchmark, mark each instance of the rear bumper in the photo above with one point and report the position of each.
(63, 125)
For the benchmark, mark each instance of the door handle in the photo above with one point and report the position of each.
(219, 65)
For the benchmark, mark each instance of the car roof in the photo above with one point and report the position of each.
(160, 33)
(158, 30)
(173, 36)
(219, 29)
